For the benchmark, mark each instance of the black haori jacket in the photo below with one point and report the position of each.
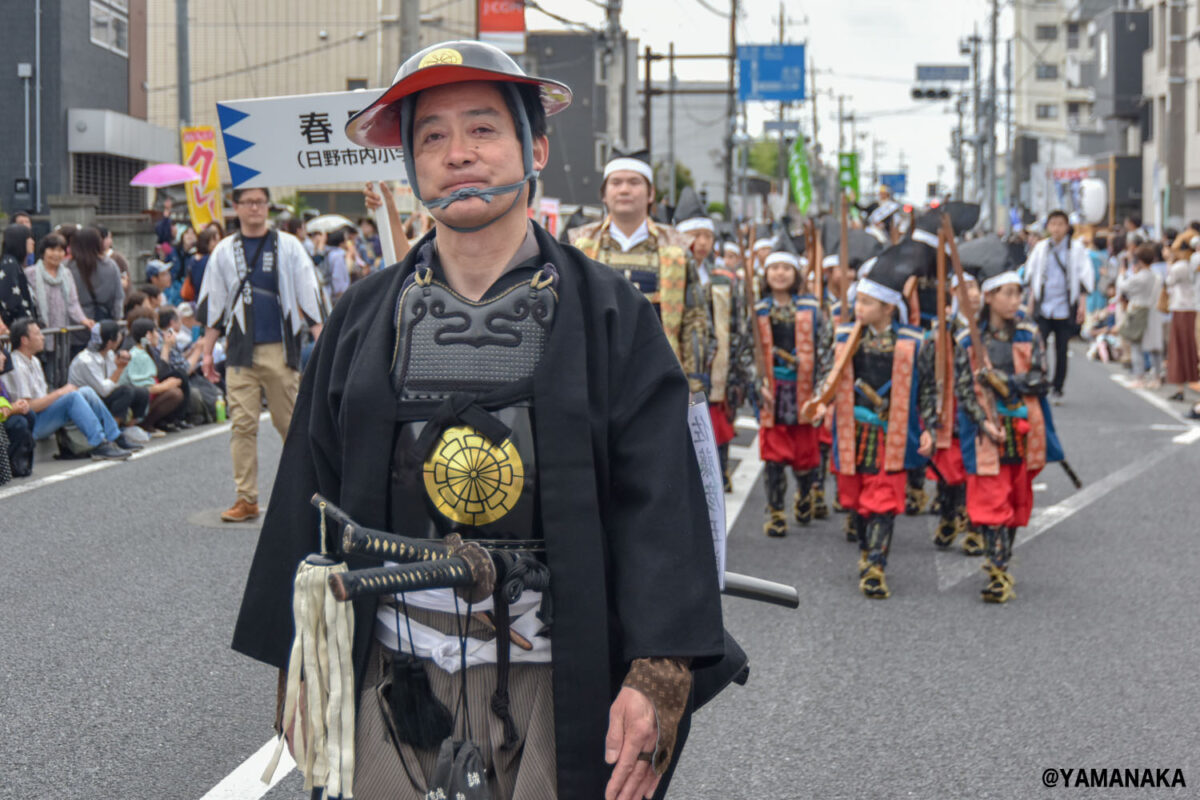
(622, 508)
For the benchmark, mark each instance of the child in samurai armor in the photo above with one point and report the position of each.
(876, 428)
(1005, 423)
(951, 476)
(797, 344)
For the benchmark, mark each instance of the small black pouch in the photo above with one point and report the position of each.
(418, 718)
(458, 773)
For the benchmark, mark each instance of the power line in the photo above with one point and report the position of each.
(704, 4)
(264, 64)
(530, 4)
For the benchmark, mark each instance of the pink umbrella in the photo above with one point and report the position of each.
(164, 175)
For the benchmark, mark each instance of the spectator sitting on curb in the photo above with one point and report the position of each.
(165, 395)
(100, 367)
(53, 410)
(15, 424)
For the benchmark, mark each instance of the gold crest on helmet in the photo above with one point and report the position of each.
(443, 56)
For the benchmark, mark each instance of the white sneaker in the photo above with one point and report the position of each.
(135, 434)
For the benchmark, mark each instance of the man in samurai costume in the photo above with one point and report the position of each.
(502, 386)
(876, 427)
(653, 256)
(1004, 420)
(797, 341)
(726, 312)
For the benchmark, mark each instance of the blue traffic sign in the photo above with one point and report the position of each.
(896, 181)
(772, 72)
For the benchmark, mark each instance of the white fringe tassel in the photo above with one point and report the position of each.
(324, 732)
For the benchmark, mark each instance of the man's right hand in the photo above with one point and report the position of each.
(21, 406)
(993, 432)
(370, 197)
(123, 358)
(210, 372)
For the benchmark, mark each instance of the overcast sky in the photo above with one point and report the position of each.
(866, 49)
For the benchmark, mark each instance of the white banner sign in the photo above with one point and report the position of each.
(300, 140)
(704, 441)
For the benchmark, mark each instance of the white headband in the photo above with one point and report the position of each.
(954, 279)
(696, 224)
(630, 164)
(762, 244)
(925, 237)
(781, 257)
(730, 247)
(881, 293)
(1003, 279)
(831, 260)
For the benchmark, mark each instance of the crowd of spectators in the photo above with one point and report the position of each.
(1143, 312)
(100, 362)
(89, 358)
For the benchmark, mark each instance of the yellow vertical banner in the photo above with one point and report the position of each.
(204, 195)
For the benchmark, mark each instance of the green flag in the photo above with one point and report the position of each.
(848, 174)
(798, 170)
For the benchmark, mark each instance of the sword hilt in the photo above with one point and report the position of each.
(368, 542)
(471, 577)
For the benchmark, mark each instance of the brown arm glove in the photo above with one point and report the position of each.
(667, 682)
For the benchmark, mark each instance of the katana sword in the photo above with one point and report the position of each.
(464, 561)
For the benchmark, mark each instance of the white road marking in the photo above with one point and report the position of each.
(953, 567)
(748, 423)
(1039, 487)
(1191, 437)
(1160, 403)
(743, 480)
(95, 466)
(245, 782)
(1159, 426)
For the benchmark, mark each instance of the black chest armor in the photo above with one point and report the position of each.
(464, 370)
(873, 363)
(999, 349)
(783, 332)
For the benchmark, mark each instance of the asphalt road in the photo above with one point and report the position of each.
(122, 588)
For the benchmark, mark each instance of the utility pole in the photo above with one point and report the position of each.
(783, 179)
(671, 125)
(1010, 173)
(410, 28)
(648, 106)
(615, 83)
(991, 116)
(876, 147)
(960, 166)
(730, 108)
(841, 124)
(977, 116)
(183, 75)
(812, 79)
(1176, 139)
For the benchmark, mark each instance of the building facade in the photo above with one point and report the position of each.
(76, 121)
(1171, 115)
(1056, 127)
(271, 48)
(700, 120)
